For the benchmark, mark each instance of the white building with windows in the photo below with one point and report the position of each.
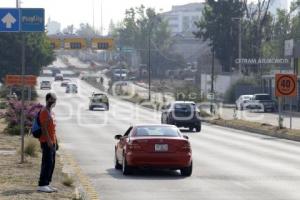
(53, 27)
(182, 18)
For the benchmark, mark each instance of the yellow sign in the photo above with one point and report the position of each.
(75, 43)
(55, 43)
(103, 43)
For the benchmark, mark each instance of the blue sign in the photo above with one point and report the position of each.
(32, 20)
(9, 20)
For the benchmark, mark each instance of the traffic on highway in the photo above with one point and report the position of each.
(150, 100)
(130, 144)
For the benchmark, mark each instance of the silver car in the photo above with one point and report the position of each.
(45, 85)
(242, 101)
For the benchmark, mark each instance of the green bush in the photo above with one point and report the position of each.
(14, 130)
(4, 91)
(3, 105)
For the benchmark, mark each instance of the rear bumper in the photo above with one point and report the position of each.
(102, 105)
(187, 123)
(49, 88)
(159, 160)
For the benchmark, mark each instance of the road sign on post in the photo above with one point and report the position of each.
(286, 85)
(210, 96)
(32, 20)
(74, 43)
(16, 80)
(289, 48)
(22, 20)
(9, 20)
(102, 43)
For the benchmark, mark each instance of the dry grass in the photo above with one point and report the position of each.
(261, 128)
(68, 181)
(32, 147)
(19, 181)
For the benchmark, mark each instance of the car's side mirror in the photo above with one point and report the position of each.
(186, 137)
(118, 137)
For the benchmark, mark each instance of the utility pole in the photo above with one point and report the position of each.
(101, 28)
(240, 41)
(199, 76)
(240, 44)
(93, 4)
(212, 78)
(22, 117)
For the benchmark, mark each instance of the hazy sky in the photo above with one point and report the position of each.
(77, 11)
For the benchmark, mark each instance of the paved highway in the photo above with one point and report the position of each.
(228, 164)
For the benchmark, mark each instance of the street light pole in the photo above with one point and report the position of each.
(240, 41)
(149, 63)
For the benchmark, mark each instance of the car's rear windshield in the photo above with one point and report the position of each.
(99, 95)
(184, 106)
(263, 97)
(158, 131)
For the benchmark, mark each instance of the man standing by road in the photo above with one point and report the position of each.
(48, 144)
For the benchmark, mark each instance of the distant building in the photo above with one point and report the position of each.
(53, 27)
(181, 19)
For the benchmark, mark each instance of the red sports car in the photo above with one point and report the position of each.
(153, 146)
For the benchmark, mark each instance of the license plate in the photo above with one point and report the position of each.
(161, 147)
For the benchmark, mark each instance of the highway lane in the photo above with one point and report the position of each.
(228, 164)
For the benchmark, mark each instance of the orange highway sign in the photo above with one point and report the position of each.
(286, 85)
(16, 80)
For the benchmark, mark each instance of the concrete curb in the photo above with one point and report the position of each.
(255, 130)
(84, 188)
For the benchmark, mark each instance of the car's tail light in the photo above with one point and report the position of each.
(134, 146)
(186, 147)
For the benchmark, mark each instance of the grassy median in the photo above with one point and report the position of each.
(261, 128)
(19, 181)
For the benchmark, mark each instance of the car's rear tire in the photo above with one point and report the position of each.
(91, 108)
(198, 128)
(117, 165)
(126, 170)
(168, 121)
(187, 171)
(191, 129)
